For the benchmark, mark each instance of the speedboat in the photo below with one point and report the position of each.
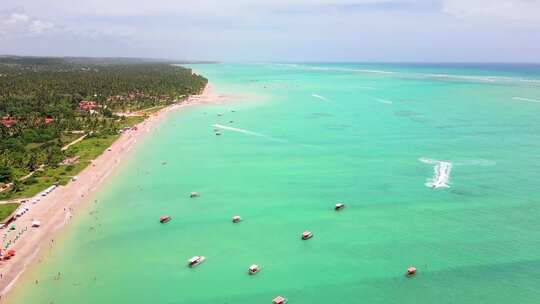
(411, 271)
(339, 206)
(307, 235)
(164, 219)
(236, 219)
(279, 300)
(196, 260)
(254, 269)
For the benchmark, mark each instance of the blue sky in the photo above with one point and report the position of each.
(278, 30)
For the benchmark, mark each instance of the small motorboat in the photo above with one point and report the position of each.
(411, 271)
(194, 194)
(254, 269)
(236, 219)
(164, 219)
(279, 300)
(218, 133)
(339, 206)
(307, 235)
(196, 260)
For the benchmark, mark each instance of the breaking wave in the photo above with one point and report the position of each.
(415, 75)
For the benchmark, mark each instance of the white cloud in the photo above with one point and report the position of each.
(180, 7)
(525, 11)
(21, 24)
(416, 30)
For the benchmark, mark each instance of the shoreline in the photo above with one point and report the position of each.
(57, 209)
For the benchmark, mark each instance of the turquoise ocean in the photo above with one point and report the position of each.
(438, 165)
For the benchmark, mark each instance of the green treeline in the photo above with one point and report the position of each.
(42, 104)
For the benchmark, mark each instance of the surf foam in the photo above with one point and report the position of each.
(416, 75)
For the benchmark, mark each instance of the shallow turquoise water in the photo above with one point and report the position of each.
(320, 134)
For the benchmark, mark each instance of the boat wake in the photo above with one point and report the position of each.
(247, 132)
(320, 97)
(475, 162)
(525, 99)
(441, 176)
(385, 101)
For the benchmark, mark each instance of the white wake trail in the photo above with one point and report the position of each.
(525, 99)
(385, 101)
(247, 132)
(441, 176)
(319, 97)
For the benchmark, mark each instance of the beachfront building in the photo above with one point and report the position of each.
(8, 121)
(49, 119)
(88, 105)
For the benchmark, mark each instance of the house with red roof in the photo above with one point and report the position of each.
(8, 121)
(88, 105)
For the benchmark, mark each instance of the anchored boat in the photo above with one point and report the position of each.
(339, 206)
(254, 269)
(279, 300)
(307, 235)
(196, 260)
(164, 219)
(236, 219)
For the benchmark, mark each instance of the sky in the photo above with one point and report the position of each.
(275, 30)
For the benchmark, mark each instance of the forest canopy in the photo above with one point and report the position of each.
(47, 102)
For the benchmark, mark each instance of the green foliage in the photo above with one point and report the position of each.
(6, 174)
(7, 209)
(35, 90)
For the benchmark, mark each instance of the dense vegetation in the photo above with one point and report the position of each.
(46, 103)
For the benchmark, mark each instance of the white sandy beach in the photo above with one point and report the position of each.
(55, 210)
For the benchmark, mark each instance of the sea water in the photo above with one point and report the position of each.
(438, 165)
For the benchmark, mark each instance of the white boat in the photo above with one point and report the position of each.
(36, 223)
(339, 206)
(279, 300)
(196, 260)
(164, 219)
(411, 271)
(307, 235)
(236, 219)
(253, 269)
